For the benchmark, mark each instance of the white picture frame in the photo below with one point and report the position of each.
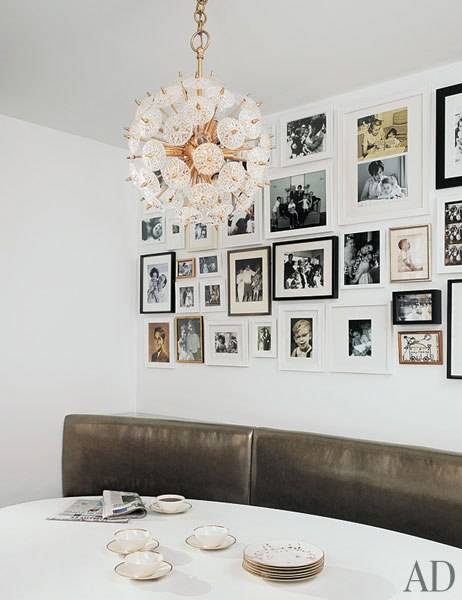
(211, 291)
(264, 344)
(152, 229)
(234, 232)
(307, 117)
(449, 235)
(209, 264)
(187, 296)
(168, 348)
(202, 236)
(410, 252)
(234, 332)
(175, 240)
(359, 338)
(363, 274)
(294, 320)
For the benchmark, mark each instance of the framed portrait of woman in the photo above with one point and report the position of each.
(449, 137)
(362, 255)
(157, 283)
(306, 135)
(410, 253)
(249, 281)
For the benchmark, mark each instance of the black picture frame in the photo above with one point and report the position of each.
(436, 307)
(267, 252)
(170, 308)
(334, 268)
(449, 336)
(441, 181)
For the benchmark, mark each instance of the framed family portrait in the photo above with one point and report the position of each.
(263, 338)
(189, 340)
(159, 343)
(454, 335)
(359, 338)
(209, 264)
(212, 295)
(410, 253)
(227, 343)
(186, 268)
(449, 250)
(301, 337)
(305, 269)
(202, 236)
(249, 281)
(153, 228)
(448, 150)
(306, 134)
(298, 202)
(187, 297)
(417, 307)
(157, 283)
(175, 234)
(382, 158)
(420, 347)
(363, 259)
(243, 226)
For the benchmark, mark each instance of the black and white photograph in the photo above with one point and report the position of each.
(453, 234)
(159, 343)
(187, 297)
(227, 343)
(360, 337)
(263, 337)
(153, 229)
(209, 264)
(301, 338)
(417, 307)
(420, 347)
(212, 295)
(410, 251)
(382, 180)
(249, 281)
(185, 268)
(449, 137)
(189, 340)
(175, 236)
(157, 283)
(362, 259)
(304, 269)
(382, 134)
(305, 135)
(202, 236)
(243, 226)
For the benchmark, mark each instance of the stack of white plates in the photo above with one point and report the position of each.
(283, 560)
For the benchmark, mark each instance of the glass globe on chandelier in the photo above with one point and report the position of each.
(196, 147)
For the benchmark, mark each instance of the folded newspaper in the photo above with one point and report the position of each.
(113, 507)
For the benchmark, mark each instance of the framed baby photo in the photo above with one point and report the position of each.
(157, 283)
(212, 295)
(243, 226)
(298, 201)
(301, 337)
(153, 228)
(159, 343)
(249, 281)
(209, 264)
(362, 254)
(359, 338)
(449, 236)
(382, 157)
(305, 269)
(189, 340)
(263, 338)
(448, 150)
(410, 253)
(187, 297)
(454, 335)
(202, 236)
(306, 135)
(417, 307)
(227, 343)
(175, 236)
(420, 347)
(186, 267)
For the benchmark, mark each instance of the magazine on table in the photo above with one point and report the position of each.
(113, 507)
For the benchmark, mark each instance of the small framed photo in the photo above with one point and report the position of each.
(363, 259)
(186, 268)
(359, 338)
(301, 337)
(157, 283)
(243, 226)
(410, 252)
(420, 347)
(189, 340)
(305, 269)
(298, 202)
(153, 228)
(213, 295)
(417, 307)
(159, 343)
(449, 252)
(187, 297)
(263, 338)
(306, 135)
(449, 137)
(175, 236)
(202, 236)
(454, 335)
(249, 281)
(227, 343)
(209, 264)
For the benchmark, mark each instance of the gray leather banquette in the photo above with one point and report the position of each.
(412, 490)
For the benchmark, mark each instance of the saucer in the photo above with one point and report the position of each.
(229, 541)
(163, 570)
(114, 546)
(156, 508)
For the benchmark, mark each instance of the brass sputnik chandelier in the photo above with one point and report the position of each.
(197, 147)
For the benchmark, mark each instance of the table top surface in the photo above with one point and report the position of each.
(53, 560)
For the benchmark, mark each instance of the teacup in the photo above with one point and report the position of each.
(210, 536)
(143, 564)
(130, 540)
(171, 502)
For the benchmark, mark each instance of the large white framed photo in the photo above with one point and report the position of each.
(202, 236)
(227, 343)
(306, 135)
(301, 337)
(243, 227)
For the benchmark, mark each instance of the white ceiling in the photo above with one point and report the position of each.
(78, 65)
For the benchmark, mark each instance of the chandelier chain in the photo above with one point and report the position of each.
(200, 39)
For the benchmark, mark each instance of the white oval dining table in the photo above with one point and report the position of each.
(56, 560)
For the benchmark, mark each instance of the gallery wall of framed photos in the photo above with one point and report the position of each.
(337, 275)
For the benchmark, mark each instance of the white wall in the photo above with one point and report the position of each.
(414, 405)
(67, 300)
